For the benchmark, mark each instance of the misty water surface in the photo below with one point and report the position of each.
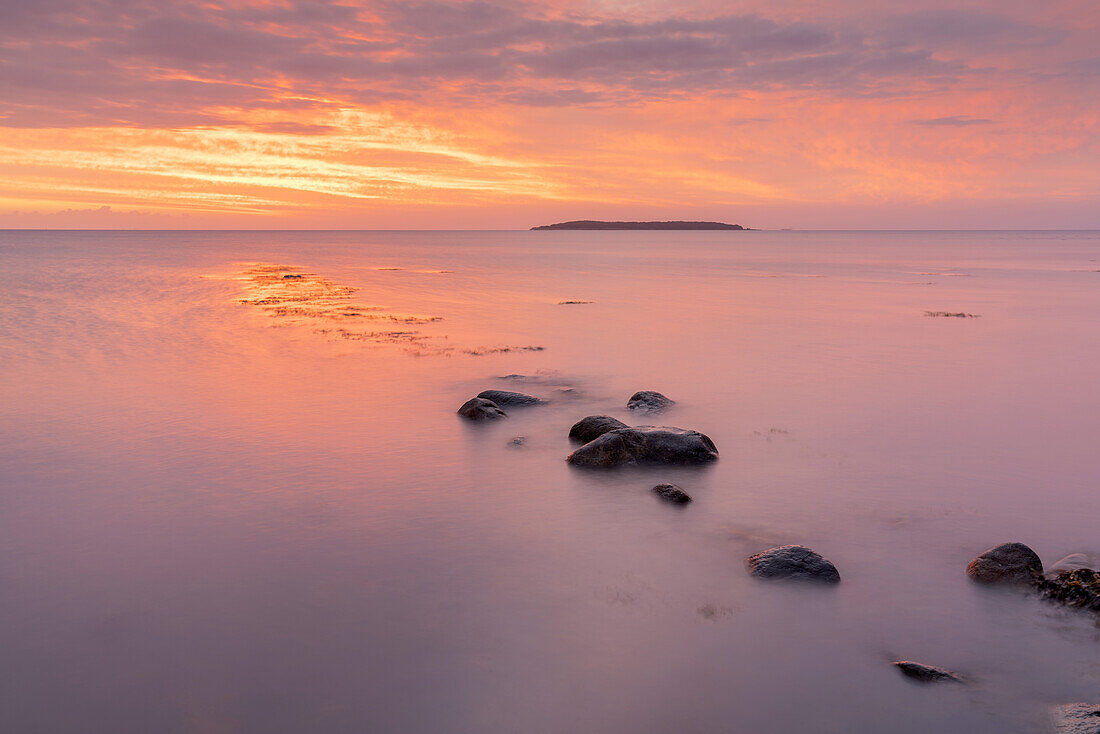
(220, 513)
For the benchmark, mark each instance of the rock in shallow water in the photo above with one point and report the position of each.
(645, 445)
(1073, 562)
(1076, 718)
(925, 673)
(1008, 563)
(792, 562)
(649, 401)
(592, 427)
(507, 397)
(1079, 588)
(672, 493)
(480, 409)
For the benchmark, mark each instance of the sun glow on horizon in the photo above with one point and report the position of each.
(232, 113)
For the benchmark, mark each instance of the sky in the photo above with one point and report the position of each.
(860, 114)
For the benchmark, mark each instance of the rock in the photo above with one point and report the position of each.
(792, 562)
(593, 426)
(480, 409)
(1076, 718)
(518, 442)
(1078, 588)
(648, 401)
(506, 397)
(672, 493)
(1072, 562)
(645, 445)
(925, 673)
(1009, 563)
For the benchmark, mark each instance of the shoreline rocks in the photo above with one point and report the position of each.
(592, 427)
(1008, 563)
(925, 673)
(672, 493)
(645, 445)
(480, 409)
(796, 562)
(649, 401)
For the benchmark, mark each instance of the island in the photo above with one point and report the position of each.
(594, 224)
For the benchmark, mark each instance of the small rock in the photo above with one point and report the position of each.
(1079, 588)
(645, 445)
(1009, 563)
(506, 397)
(672, 493)
(1076, 718)
(1073, 562)
(792, 562)
(518, 441)
(925, 673)
(480, 409)
(593, 426)
(648, 401)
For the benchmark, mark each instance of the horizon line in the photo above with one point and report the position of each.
(509, 229)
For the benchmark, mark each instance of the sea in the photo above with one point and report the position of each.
(235, 495)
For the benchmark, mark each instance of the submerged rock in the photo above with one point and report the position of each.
(925, 673)
(1078, 588)
(1076, 718)
(506, 397)
(645, 445)
(592, 427)
(1009, 563)
(649, 401)
(1073, 562)
(792, 562)
(672, 493)
(518, 442)
(480, 409)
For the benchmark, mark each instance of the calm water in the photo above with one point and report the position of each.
(219, 516)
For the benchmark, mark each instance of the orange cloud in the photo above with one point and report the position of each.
(325, 114)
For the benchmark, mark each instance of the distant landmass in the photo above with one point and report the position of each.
(594, 224)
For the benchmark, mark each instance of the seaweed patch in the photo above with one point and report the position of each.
(295, 297)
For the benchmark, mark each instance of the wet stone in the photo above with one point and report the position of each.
(480, 409)
(509, 398)
(925, 673)
(592, 427)
(795, 562)
(649, 401)
(1008, 563)
(645, 445)
(672, 493)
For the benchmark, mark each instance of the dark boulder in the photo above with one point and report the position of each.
(506, 397)
(593, 426)
(1078, 588)
(480, 409)
(672, 493)
(1009, 563)
(645, 445)
(925, 673)
(792, 562)
(648, 401)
